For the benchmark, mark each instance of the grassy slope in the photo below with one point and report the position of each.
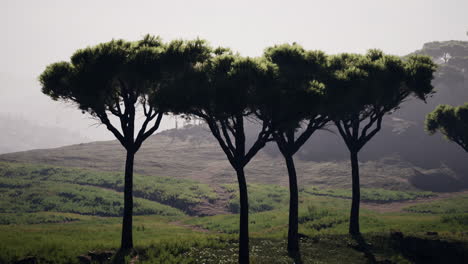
(159, 241)
(33, 188)
(377, 195)
(266, 197)
(73, 198)
(202, 160)
(27, 190)
(87, 188)
(454, 205)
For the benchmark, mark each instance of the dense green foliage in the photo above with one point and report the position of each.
(296, 90)
(452, 122)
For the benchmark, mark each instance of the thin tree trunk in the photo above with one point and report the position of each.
(244, 218)
(293, 237)
(354, 217)
(127, 234)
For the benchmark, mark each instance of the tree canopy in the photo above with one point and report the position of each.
(366, 87)
(451, 121)
(292, 105)
(297, 89)
(362, 89)
(116, 78)
(291, 92)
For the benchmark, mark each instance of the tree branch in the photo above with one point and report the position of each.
(216, 133)
(105, 120)
(258, 145)
(372, 119)
(343, 133)
(312, 126)
(226, 135)
(281, 142)
(142, 135)
(364, 139)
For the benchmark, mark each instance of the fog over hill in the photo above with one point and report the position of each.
(31, 120)
(401, 156)
(19, 134)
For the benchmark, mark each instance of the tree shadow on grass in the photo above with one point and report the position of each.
(417, 250)
(430, 250)
(296, 256)
(124, 256)
(365, 248)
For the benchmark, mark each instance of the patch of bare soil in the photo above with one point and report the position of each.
(216, 207)
(398, 206)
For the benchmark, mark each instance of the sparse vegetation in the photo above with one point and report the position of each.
(370, 195)
(454, 205)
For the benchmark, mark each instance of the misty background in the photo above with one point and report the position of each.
(37, 33)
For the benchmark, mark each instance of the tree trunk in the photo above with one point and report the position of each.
(127, 234)
(244, 218)
(293, 237)
(354, 217)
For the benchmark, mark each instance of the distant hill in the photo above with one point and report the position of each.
(18, 134)
(191, 153)
(402, 156)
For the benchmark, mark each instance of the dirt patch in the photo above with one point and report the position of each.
(399, 206)
(216, 207)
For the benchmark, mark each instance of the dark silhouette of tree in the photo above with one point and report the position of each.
(219, 92)
(117, 78)
(362, 90)
(451, 121)
(292, 106)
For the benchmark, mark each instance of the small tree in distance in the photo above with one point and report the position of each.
(451, 121)
(115, 79)
(362, 90)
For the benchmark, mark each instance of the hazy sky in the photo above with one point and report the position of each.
(36, 33)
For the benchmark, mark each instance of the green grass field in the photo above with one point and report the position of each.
(377, 195)
(55, 214)
(455, 205)
(68, 182)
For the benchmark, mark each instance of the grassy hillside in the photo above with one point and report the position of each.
(42, 207)
(72, 198)
(394, 238)
(370, 195)
(35, 188)
(453, 205)
(197, 158)
(31, 188)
